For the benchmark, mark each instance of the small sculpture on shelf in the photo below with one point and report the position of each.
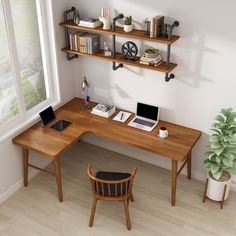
(76, 17)
(129, 51)
(147, 24)
(105, 18)
(85, 91)
(107, 48)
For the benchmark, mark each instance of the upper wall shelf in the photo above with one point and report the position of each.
(166, 66)
(138, 34)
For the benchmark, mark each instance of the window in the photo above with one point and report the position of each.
(24, 59)
(8, 97)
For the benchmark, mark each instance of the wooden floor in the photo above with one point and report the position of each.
(35, 210)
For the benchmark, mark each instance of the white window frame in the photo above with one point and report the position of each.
(49, 55)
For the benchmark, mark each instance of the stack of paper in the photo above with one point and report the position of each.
(104, 110)
(122, 116)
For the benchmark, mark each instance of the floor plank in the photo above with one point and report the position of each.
(35, 210)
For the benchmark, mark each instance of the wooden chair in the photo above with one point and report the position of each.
(111, 186)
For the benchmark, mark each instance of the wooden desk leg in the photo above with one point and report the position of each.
(25, 165)
(189, 164)
(174, 181)
(58, 178)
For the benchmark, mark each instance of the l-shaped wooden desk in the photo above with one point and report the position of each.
(51, 143)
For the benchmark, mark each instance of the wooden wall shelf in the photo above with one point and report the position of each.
(138, 34)
(162, 67)
(165, 67)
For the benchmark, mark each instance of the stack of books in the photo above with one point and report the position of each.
(151, 61)
(103, 110)
(90, 22)
(155, 26)
(84, 42)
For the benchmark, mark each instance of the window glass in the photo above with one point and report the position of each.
(26, 29)
(8, 98)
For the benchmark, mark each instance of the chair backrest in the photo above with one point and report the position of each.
(111, 189)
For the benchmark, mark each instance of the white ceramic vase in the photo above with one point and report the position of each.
(128, 28)
(215, 189)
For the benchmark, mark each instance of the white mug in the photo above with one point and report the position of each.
(163, 132)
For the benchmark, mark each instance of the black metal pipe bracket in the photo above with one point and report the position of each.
(169, 77)
(116, 67)
(171, 27)
(68, 55)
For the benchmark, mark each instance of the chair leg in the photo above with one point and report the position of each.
(131, 197)
(128, 224)
(93, 212)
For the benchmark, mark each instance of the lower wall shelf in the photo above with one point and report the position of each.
(100, 54)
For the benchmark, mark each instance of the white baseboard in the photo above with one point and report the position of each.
(32, 172)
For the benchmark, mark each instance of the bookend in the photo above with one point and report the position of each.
(66, 13)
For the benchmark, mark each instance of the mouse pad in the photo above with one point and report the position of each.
(61, 125)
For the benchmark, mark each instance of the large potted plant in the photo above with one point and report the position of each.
(221, 156)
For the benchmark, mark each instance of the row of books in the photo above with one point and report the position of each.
(151, 61)
(155, 26)
(104, 110)
(84, 42)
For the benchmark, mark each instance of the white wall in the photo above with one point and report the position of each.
(205, 77)
(205, 81)
(11, 169)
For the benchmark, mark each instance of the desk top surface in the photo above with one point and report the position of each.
(52, 143)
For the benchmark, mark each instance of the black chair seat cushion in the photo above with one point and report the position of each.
(104, 175)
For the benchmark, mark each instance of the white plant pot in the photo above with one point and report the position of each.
(128, 28)
(215, 189)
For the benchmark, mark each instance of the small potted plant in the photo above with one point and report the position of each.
(151, 52)
(128, 27)
(221, 156)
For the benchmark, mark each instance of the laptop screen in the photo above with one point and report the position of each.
(147, 111)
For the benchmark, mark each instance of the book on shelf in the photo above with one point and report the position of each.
(84, 42)
(103, 110)
(155, 26)
(90, 22)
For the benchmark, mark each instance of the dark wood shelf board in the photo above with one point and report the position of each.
(162, 67)
(138, 34)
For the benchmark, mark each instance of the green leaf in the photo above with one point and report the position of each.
(211, 156)
(207, 153)
(216, 145)
(229, 155)
(227, 161)
(220, 118)
(233, 169)
(224, 111)
(218, 174)
(214, 168)
(219, 151)
(218, 160)
(214, 139)
(216, 130)
(207, 166)
(232, 130)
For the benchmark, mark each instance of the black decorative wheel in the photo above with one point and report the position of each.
(129, 50)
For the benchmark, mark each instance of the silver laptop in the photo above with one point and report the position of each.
(146, 118)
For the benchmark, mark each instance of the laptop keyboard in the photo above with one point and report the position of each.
(143, 122)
